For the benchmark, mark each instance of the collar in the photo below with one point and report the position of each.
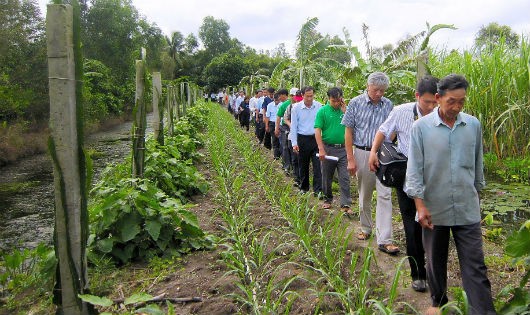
(460, 119)
(369, 101)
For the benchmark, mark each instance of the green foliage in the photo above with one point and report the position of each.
(171, 167)
(133, 218)
(215, 36)
(102, 97)
(492, 34)
(27, 269)
(23, 71)
(518, 247)
(136, 220)
(224, 70)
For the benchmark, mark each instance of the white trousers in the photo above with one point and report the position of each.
(366, 183)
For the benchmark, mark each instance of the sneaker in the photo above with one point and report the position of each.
(419, 285)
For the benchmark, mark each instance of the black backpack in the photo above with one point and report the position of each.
(392, 166)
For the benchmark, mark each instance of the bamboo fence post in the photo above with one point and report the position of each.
(169, 113)
(158, 111)
(65, 146)
(189, 96)
(139, 124)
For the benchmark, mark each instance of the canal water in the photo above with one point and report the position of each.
(26, 188)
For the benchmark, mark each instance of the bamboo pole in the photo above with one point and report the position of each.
(139, 124)
(65, 145)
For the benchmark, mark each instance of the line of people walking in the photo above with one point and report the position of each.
(444, 173)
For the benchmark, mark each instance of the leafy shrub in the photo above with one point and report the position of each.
(136, 220)
(518, 247)
(171, 167)
(27, 270)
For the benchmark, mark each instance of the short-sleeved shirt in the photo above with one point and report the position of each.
(272, 109)
(282, 108)
(445, 168)
(400, 121)
(365, 117)
(329, 119)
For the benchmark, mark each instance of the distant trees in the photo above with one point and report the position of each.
(491, 34)
(23, 71)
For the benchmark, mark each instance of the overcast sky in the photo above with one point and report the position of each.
(267, 23)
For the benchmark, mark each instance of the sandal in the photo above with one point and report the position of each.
(326, 205)
(389, 249)
(362, 236)
(346, 209)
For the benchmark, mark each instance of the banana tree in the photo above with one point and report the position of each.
(403, 64)
(312, 65)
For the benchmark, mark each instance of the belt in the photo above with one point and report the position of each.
(308, 136)
(335, 145)
(363, 148)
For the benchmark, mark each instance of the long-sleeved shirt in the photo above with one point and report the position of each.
(365, 117)
(445, 168)
(303, 120)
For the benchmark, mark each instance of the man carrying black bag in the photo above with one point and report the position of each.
(400, 122)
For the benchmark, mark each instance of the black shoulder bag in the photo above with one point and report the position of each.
(392, 164)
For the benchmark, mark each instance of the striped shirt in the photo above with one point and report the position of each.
(400, 122)
(364, 118)
(303, 120)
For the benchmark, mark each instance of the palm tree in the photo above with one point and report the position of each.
(311, 66)
(175, 47)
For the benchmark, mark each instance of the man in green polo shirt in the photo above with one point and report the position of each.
(329, 133)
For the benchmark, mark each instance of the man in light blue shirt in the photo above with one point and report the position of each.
(303, 139)
(444, 176)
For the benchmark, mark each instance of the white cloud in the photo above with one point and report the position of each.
(265, 24)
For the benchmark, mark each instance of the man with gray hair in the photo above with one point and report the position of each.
(364, 114)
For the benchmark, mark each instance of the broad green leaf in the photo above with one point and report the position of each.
(137, 298)
(153, 228)
(151, 309)
(518, 244)
(96, 300)
(488, 219)
(189, 217)
(105, 245)
(129, 227)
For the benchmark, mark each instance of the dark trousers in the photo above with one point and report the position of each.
(308, 149)
(328, 168)
(274, 140)
(244, 119)
(468, 241)
(260, 128)
(295, 162)
(284, 144)
(413, 236)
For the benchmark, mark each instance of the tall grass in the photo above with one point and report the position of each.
(499, 94)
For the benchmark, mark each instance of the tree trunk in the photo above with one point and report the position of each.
(158, 111)
(139, 122)
(65, 145)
